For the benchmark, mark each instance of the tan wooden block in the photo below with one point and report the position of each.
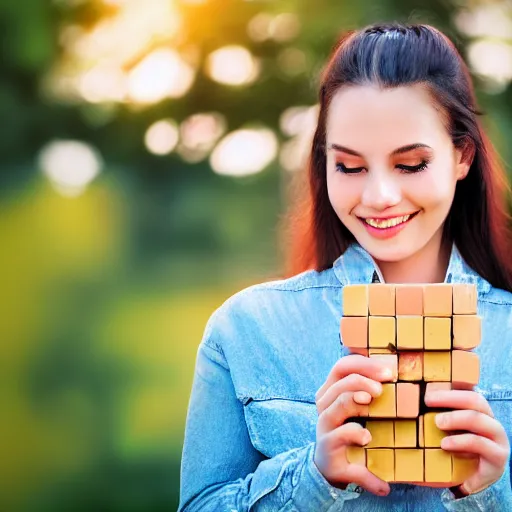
(409, 332)
(383, 433)
(463, 468)
(389, 361)
(381, 299)
(437, 366)
(465, 299)
(355, 300)
(354, 331)
(409, 300)
(374, 351)
(467, 331)
(438, 333)
(410, 366)
(465, 369)
(437, 299)
(438, 466)
(409, 465)
(438, 386)
(356, 455)
(421, 432)
(382, 332)
(432, 434)
(405, 434)
(359, 351)
(407, 400)
(384, 406)
(381, 462)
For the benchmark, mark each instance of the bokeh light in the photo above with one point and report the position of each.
(161, 137)
(232, 65)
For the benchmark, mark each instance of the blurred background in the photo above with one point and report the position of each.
(147, 151)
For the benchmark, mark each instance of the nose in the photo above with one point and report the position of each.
(381, 191)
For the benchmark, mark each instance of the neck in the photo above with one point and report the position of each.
(428, 265)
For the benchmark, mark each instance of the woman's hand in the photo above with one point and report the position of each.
(352, 383)
(486, 438)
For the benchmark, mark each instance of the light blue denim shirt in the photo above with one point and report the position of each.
(251, 423)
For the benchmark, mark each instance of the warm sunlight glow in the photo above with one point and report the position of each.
(161, 137)
(232, 65)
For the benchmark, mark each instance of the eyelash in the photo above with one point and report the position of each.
(406, 169)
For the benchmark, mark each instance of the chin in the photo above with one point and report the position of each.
(388, 250)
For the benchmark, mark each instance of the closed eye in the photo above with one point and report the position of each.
(408, 169)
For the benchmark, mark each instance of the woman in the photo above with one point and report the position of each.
(404, 187)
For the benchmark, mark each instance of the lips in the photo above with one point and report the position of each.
(390, 222)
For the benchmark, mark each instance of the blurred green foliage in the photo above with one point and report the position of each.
(105, 296)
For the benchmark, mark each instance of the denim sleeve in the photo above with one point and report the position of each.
(222, 471)
(497, 496)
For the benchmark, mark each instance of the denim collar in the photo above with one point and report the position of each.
(356, 266)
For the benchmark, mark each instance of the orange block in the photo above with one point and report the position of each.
(438, 333)
(407, 400)
(464, 299)
(384, 406)
(467, 331)
(409, 300)
(437, 299)
(409, 332)
(355, 300)
(465, 369)
(354, 331)
(381, 331)
(463, 468)
(438, 386)
(438, 466)
(359, 351)
(409, 465)
(390, 361)
(410, 366)
(381, 299)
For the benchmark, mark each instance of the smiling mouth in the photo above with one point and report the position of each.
(388, 223)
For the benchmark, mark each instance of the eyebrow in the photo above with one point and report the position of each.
(398, 151)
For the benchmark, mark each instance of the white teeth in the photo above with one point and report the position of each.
(387, 223)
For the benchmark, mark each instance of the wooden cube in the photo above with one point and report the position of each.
(390, 361)
(355, 300)
(381, 332)
(409, 332)
(359, 351)
(465, 369)
(356, 455)
(464, 299)
(467, 331)
(437, 299)
(407, 400)
(409, 300)
(409, 465)
(437, 366)
(381, 462)
(384, 406)
(410, 366)
(354, 331)
(421, 432)
(383, 433)
(432, 434)
(381, 299)
(438, 386)
(438, 466)
(438, 333)
(405, 434)
(463, 468)
(374, 351)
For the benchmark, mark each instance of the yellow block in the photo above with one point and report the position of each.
(381, 331)
(381, 462)
(421, 432)
(438, 466)
(382, 434)
(384, 406)
(409, 465)
(376, 351)
(356, 455)
(437, 366)
(438, 333)
(462, 468)
(355, 300)
(433, 434)
(409, 332)
(405, 434)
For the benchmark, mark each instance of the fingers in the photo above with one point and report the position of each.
(347, 434)
(481, 446)
(458, 399)
(473, 421)
(353, 382)
(341, 409)
(369, 367)
(366, 479)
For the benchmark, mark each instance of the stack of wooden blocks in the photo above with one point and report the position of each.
(425, 333)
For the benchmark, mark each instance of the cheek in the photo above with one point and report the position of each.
(342, 195)
(433, 189)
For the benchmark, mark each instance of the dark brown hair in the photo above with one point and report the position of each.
(392, 55)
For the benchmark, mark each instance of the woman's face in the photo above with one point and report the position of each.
(391, 168)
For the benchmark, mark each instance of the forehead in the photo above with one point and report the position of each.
(367, 118)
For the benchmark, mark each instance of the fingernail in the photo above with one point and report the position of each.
(431, 395)
(367, 438)
(383, 492)
(441, 419)
(377, 389)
